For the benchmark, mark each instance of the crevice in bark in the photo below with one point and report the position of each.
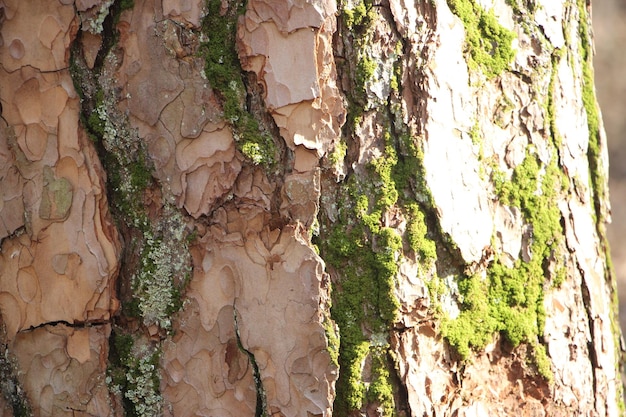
(261, 399)
(10, 386)
(593, 356)
(75, 325)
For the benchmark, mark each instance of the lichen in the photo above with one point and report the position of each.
(56, 198)
(133, 373)
(156, 263)
(489, 44)
(163, 272)
(94, 24)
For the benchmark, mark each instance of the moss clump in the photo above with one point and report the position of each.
(598, 181)
(542, 362)
(356, 21)
(366, 298)
(488, 43)
(474, 327)
(333, 340)
(417, 234)
(368, 253)
(380, 389)
(510, 300)
(360, 16)
(365, 69)
(339, 153)
(223, 71)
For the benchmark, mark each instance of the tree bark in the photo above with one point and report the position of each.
(265, 208)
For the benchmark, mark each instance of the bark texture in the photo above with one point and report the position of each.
(303, 208)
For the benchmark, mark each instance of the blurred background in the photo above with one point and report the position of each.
(609, 26)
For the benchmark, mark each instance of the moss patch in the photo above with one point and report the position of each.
(368, 255)
(510, 300)
(488, 42)
(598, 181)
(361, 245)
(223, 70)
(359, 16)
(380, 390)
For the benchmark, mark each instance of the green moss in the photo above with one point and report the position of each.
(598, 181)
(368, 253)
(365, 70)
(332, 337)
(339, 153)
(357, 20)
(362, 252)
(417, 234)
(488, 43)
(358, 17)
(223, 71)
(475, 134)
(380, 389)
(510, 300)
(475, 325)
(126, 4)
(542, 362)
(502, 116)
(560, 275)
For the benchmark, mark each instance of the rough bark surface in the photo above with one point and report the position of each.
(303, 208)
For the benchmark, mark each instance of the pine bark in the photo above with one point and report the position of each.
(263, 208)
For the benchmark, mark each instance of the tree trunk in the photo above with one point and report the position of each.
(277, 208)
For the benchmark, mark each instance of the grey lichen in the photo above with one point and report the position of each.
(95, 23)
(164, 270)
(56, 198)
(133, 375)
(144, 392)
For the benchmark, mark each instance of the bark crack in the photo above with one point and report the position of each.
(261, 400)
(593, 356)
(75, 325)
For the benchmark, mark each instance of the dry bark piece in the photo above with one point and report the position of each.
(289, 47)
(63, 370)
(173, 109)
(236, 281)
